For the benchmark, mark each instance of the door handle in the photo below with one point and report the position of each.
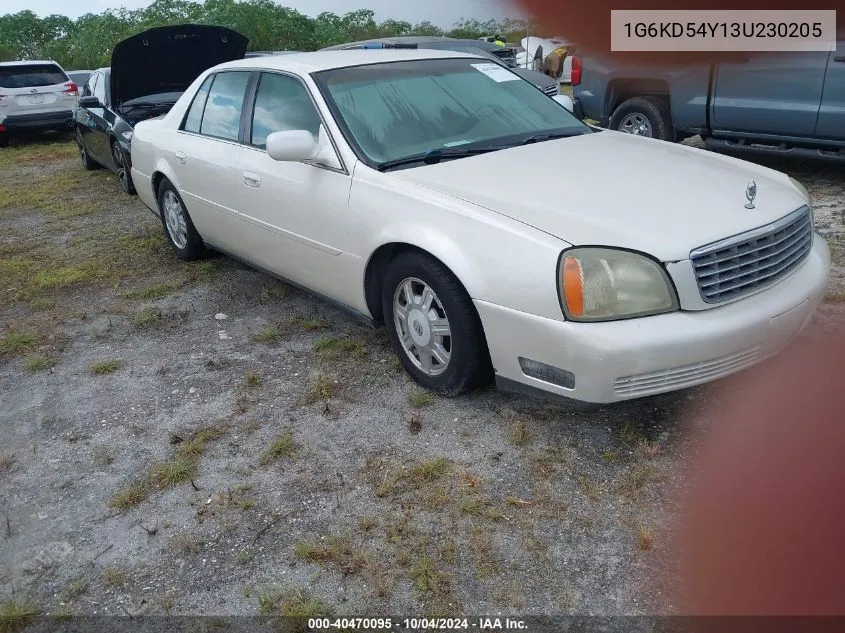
(252, 180)
(181, 157)
(839, 58)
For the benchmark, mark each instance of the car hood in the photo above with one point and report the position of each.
(169, 58)
(616, 189)
(537, 78)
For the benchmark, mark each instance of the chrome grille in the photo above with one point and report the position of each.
(742, 264)
(550, 90)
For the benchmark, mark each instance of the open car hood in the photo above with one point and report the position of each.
(170, 58)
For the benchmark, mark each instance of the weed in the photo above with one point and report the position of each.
(629, 433)
(39, 363)
(314, 323)
(428, 471)
(274, 292)
(147, 317)
(415, 422)
(320, 387)
(519, 434)
(338, 552)
(426, 577)
(128, 497)
(647, 450)
(610, 456)
(76, 588)
(172, 472)
(102, 367)
(41, 304)
(270, 334)
(114, 577)
(252, 380)
(186, 543)
(635, 480)
(589, 488)
(16, 615)
(420, 398)
(293, 603)
(283, 447)
(332, 348)
(244, 556)
(152, 293)
(18, 343)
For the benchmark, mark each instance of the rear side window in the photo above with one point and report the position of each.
(194, 118)
(31, 76)
(222, 115)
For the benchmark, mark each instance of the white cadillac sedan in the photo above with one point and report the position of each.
(415, 189)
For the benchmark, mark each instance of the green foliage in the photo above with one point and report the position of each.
(87, 42)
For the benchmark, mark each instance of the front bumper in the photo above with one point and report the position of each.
(34, 122)
(622, 360)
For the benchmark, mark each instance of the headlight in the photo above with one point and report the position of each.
(603, 284)
(127, 135)
(807, 197)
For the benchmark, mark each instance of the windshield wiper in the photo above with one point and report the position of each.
(436, 155)
(538, 138)
(145, 106)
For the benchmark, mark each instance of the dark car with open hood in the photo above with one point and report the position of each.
(148, 73)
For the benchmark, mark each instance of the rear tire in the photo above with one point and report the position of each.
(123, 173)
(177, 224)
(644, 116)
(433, 326)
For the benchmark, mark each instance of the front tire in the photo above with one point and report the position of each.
(123, 173)
(177, 224)
(84, 157)
(644, 116)
(433, 326)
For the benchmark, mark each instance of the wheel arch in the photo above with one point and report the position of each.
(378, 262)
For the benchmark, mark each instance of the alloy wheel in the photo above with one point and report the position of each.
(422, 326)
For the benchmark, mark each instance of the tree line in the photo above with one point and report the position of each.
(87, 42)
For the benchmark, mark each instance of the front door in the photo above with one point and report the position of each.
(295, 212)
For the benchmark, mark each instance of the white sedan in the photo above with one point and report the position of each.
(417, 189)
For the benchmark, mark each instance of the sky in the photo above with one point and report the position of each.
(443, 13)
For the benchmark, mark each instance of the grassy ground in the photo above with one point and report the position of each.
(204, 439)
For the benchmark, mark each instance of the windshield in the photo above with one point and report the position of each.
(395, 110)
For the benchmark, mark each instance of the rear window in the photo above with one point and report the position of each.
(31, 76)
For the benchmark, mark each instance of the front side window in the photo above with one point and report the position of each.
(222, 115)
(282, 103)
(397, 110)
(194, 117)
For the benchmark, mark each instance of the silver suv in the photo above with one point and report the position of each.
(35, 96)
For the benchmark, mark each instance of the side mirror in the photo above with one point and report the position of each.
(89, 102)
(292, 146)
(565, 101)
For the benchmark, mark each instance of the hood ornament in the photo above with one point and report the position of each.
(750, 194)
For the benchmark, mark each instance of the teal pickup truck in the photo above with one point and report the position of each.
(783, 103)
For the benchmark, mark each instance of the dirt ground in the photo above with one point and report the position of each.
(203, 439)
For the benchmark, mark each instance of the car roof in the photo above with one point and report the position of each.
(328, 60)
(30, 62)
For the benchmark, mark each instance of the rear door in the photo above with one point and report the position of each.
(206, 156)
(775, 93)
(831, 123)
(35, 89)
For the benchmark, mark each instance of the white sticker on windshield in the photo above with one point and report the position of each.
(496, 72)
